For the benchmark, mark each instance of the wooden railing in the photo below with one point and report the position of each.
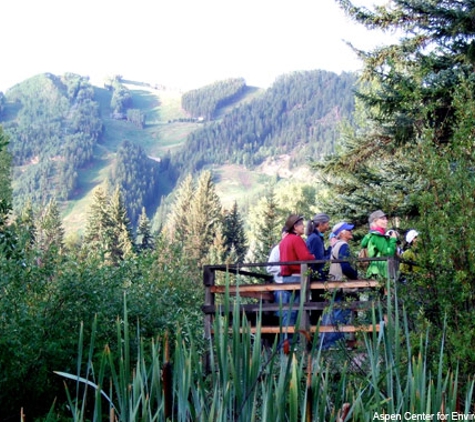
(315, 297)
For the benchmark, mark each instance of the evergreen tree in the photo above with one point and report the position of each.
(98, 222)
(268, 228)
(217, 252)
(177, 226)
(7, 237)
(5, 178)
(25, 228)
(235, 238)
(413, 156)
(50, 237)
(119, 232)
(204, 218)
(144, 232)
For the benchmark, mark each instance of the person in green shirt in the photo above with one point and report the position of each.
(379, 243)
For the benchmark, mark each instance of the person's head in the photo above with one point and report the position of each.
(284, 232)
(411, 237)
(320, 222)
(294, 224)
(378, 219)
(343, 231)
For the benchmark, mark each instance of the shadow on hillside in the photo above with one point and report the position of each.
(247, 94)
(90, 175)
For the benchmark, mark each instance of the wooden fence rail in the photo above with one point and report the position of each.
(315, 297)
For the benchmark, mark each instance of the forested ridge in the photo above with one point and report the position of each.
(299, 114)
(56, 128)
(204, 102)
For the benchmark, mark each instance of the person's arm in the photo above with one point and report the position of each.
(385, 246)
(302, 251)
(347, 270)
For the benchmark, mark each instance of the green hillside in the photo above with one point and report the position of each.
(68, 113)
(162, 133)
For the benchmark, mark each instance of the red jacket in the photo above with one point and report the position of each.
(293, 248)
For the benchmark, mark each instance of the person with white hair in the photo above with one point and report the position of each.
(409, 256)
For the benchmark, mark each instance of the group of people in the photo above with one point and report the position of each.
(379, 242)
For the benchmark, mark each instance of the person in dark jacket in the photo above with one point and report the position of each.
(316, 229)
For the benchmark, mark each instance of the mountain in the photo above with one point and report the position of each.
(68, 136)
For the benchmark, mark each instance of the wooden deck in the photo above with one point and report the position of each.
(256, 297)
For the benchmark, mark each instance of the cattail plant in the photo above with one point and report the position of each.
(249, 382)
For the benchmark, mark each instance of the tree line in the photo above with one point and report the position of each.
(205, 102)
(301, 109)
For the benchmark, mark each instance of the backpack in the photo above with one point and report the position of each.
(363, 253)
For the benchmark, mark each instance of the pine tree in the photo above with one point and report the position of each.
(144, 239)
(98, 222)
(177, 226)
(5, 178)
(268, 229)
(119, 233)
(235, 238)
(50, 236)
(203, 219)
(217, 252)
(413, 155)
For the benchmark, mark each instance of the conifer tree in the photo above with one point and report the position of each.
(235, 238)
(119, 233)
(217, 251)
(204, 218)
(98, 222)
(177, 226)
(50, 236)
(268, 229)
(25, 227)
(144, 232)
(5, 178)
(413, 156)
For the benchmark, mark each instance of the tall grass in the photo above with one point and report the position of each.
(239, 379)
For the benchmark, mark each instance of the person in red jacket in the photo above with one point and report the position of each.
(292, 248)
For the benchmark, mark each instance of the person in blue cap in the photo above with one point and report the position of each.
(342, 233)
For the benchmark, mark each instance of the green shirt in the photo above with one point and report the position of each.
(378, 245)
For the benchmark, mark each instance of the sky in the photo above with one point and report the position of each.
(178, 43)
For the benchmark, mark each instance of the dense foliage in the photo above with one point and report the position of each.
(301, 109)
(204, 102)
(141, 179)
(48, 291)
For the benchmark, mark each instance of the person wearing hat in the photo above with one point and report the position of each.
(342, 233)
(379, 243)
(292, 248)
(409, 256)
(316, 229)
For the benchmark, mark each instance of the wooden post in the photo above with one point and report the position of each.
(305, 294)
(208, 281)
